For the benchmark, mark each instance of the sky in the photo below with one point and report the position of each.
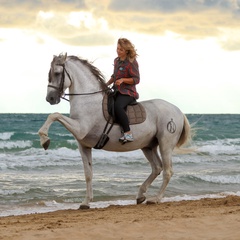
(189, 50)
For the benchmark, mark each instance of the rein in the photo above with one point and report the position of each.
(60, 88)
(81, 94)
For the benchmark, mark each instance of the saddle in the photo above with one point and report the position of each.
(135, 112)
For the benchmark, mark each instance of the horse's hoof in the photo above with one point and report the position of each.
(83, 207)
(141, 200)
(152, 201)
(46, 144)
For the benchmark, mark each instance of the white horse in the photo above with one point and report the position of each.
(165, 127)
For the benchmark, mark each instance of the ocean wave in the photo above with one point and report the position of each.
(26, 192)
(218, 147)
(28, 148)
(15, 144)
(40, 162)
(72, 142)
(6, 135)
(32, 133)
(9, 192)
(64, 152)
(121, 156)
(198, 197)
(233, 179)
(220, 179)
(64, 134)
(26, 154)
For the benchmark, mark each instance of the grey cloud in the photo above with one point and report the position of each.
(192, 19)
(168, 6)
(35, 4)
(58, 28)
(189, 18)
(22, 13)
(148, 5)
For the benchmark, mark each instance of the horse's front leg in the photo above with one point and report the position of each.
(86, 154)
(70, 124)
(43, 131)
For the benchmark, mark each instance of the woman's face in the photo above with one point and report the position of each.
(121, 52)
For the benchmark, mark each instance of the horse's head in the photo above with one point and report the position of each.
(56, 79)
(64, 70)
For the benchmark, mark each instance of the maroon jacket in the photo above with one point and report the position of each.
(126, 69)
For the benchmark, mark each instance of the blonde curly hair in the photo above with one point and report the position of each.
(129, 47)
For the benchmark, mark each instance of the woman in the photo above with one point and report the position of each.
(125, 77)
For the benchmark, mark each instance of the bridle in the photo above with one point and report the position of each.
(61, 86)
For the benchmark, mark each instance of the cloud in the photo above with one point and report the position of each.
(22, 13)
(166, 6)
(90, 22)
(75, 28)
(190, 18)
(56, 19)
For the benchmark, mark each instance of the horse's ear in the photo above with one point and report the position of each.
(65, 56)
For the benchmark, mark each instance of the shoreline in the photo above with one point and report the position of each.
(208, 218)
(52, 206)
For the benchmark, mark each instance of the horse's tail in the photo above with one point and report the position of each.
(186, 135)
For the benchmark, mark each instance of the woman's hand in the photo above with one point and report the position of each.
(119, 82)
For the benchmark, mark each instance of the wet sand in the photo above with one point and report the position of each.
(201, 219)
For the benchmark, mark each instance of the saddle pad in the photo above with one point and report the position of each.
(136, 113)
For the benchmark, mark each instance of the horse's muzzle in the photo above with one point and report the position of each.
(53, 98)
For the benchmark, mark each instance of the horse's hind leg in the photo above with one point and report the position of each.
(167, 174)
(156, 164)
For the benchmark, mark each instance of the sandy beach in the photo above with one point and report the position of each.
(202, 219)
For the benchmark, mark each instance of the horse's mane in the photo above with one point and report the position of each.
(94, 70)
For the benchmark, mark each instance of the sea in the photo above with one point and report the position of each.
(33, 180)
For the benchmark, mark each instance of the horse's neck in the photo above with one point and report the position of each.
(83, 79)
(83, 106)
(86, 105)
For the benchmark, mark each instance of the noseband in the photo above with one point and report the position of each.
(61, 86)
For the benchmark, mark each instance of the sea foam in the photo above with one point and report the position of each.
(6, 135)
(15, 144)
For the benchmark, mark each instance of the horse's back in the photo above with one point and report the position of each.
(166, 117)
(160, 106)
